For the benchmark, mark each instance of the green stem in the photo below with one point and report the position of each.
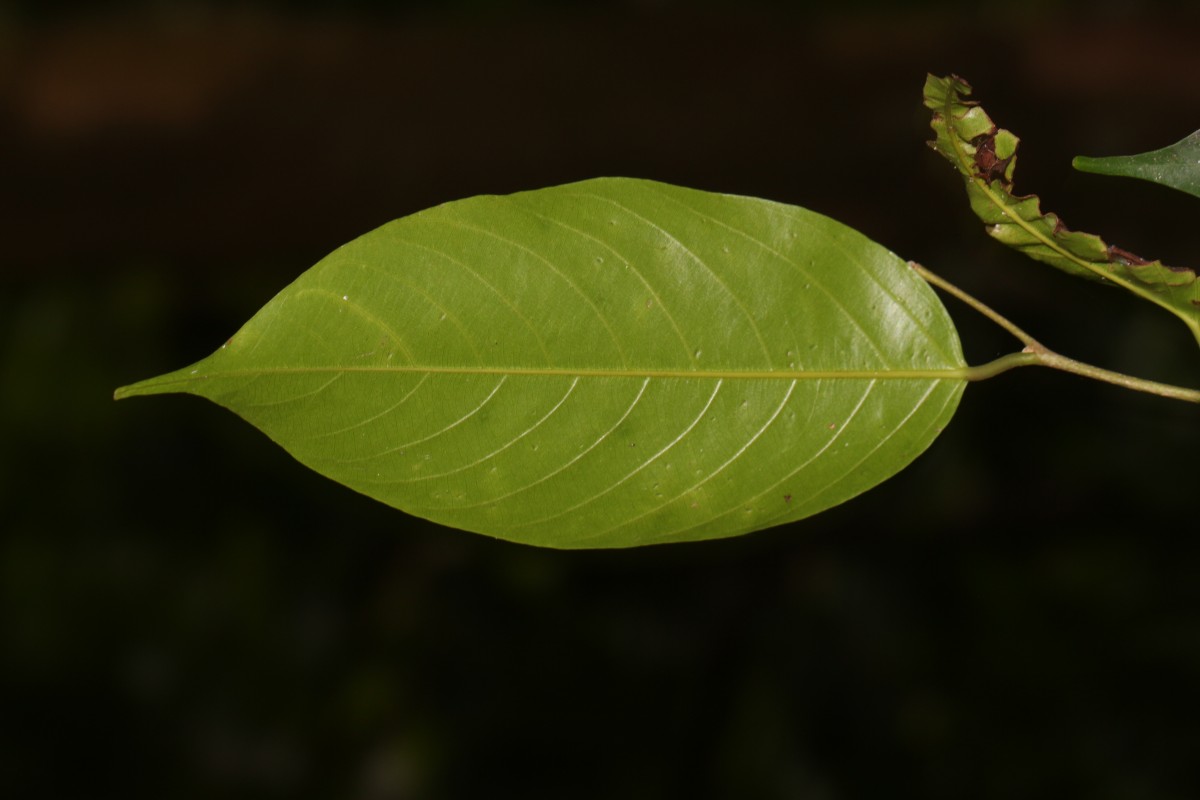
(1003, 364)
(978, 305)
(1051, 359)
(1037, 354)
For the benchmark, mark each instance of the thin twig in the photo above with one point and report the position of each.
(1035, 353)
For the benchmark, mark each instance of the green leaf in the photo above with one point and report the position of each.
(609, 363)
(985, 156)
(1176, 166)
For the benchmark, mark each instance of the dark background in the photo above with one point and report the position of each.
(186, 612)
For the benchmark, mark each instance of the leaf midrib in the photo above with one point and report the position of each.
(170, 383)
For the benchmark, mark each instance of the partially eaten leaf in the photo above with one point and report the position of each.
(609, 363)
(985, 155)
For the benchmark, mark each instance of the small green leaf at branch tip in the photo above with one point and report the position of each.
(1176, 166)
(986, 157)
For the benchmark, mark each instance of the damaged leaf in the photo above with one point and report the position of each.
(985, 156)
(1176, 166)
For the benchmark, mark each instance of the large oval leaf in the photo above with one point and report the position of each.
(608, 363)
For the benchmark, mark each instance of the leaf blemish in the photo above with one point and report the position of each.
(1120, 255)
(988, 166)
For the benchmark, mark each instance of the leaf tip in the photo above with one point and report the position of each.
(940, 90)
(135, 389)
(169, 383)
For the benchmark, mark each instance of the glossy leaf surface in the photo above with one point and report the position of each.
(1176, 166)
(986, 156)
(608, 363)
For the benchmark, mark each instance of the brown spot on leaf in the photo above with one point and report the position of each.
(1118, 255)
(987, 164)
(1125, 258)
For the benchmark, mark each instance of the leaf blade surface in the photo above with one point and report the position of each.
(609, 363)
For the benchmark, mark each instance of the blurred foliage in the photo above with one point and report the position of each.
(36, 9)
